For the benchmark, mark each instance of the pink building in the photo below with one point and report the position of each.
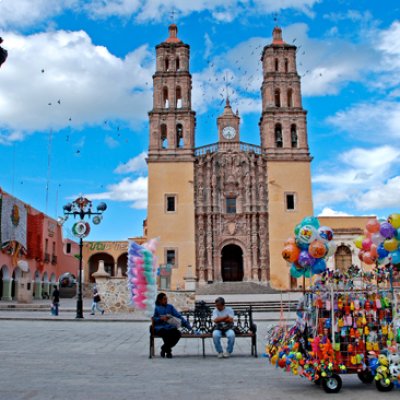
(33, 252)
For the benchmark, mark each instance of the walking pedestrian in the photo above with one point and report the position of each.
(96, 301)
(56, 300)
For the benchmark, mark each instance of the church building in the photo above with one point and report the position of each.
(222, 211)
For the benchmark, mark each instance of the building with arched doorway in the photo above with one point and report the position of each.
(223, 211)
(33, 253)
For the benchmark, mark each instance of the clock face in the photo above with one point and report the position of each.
(229, 132)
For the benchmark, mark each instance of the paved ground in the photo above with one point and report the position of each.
(79, 360)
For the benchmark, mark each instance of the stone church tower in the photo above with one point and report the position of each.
(222, 211)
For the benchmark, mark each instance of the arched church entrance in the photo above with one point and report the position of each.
(232, 263)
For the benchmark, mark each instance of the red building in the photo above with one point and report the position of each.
(33, 251)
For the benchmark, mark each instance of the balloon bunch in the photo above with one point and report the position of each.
(380, 242)
(308, 250)
(142, 266)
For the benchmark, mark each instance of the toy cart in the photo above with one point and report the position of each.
(351, 329)
(337, 332)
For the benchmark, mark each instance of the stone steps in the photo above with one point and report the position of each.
(222, 288)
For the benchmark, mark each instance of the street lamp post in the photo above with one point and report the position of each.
(82, 207)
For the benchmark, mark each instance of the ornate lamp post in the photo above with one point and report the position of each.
(82, 207)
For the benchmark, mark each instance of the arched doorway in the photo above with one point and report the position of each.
(232, 263)
(122, 263)
(343, 258)
(93, 264)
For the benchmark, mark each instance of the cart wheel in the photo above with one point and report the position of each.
(333, 384)
(365, 376)
(383, 386)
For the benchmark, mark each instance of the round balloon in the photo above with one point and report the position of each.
(358, 241)
(366, 244)
(319, 267)
(395, 257)
(377, 238)
(296, 273)
(382, 252)
(290, 253)
(368, 259)
(307, 234)
(394, 220)
(317, 249)
(391, 244)
(387, 230)
(373, 226)
(305, 260)
(331, 249)
(325, 233)
(310, 220)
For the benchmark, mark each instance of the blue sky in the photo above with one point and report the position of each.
(77, 86)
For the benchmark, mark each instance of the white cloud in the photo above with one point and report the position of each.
(25, 13)
(136, 164)
(91, 83)
(383, 195)
(372, 122)
(128, 190)
(362, 179)
(328, 212)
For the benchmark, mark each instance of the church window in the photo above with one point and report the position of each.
(231, 205)
(167, 64)
(179, 136)
(276, 65)
(278, 135)
(68, 249)
(290, 199)
(178, 97)
(293, 135)
(177, 64)
(286, 65)
(164, 136)
(343, 258)
(290, 98)
(277, 98)
(170, 256)
(165, 97)
(170, 203)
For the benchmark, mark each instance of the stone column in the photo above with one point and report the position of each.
(38, 290)
(6, 290)
(190, 280)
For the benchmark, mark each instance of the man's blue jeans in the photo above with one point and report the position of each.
(217, 335)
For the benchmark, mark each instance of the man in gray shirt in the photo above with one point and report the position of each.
(223, 319)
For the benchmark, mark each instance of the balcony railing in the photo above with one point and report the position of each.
(46, 257)
(227, 146)
(54, 259)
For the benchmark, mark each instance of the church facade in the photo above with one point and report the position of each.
(222, 211)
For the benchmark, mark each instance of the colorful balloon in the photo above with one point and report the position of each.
(317, 249)
(358, 241)
(296, 273)
(366, 244)
(310, 220)
(394, 220)
(377, 238)
(382, 252)
(368, 259)
(325, 233)
(305, 260)
(290, 253)
(387, 230)
(395, 257)
(307, 234)
(319, 267)
(373, 226)
(391, 244)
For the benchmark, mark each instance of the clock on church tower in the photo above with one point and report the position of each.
(228, 125)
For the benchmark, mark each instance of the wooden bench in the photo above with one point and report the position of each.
(200, 320)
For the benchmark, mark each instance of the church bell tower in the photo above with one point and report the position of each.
(283, 131)
(171, 159)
